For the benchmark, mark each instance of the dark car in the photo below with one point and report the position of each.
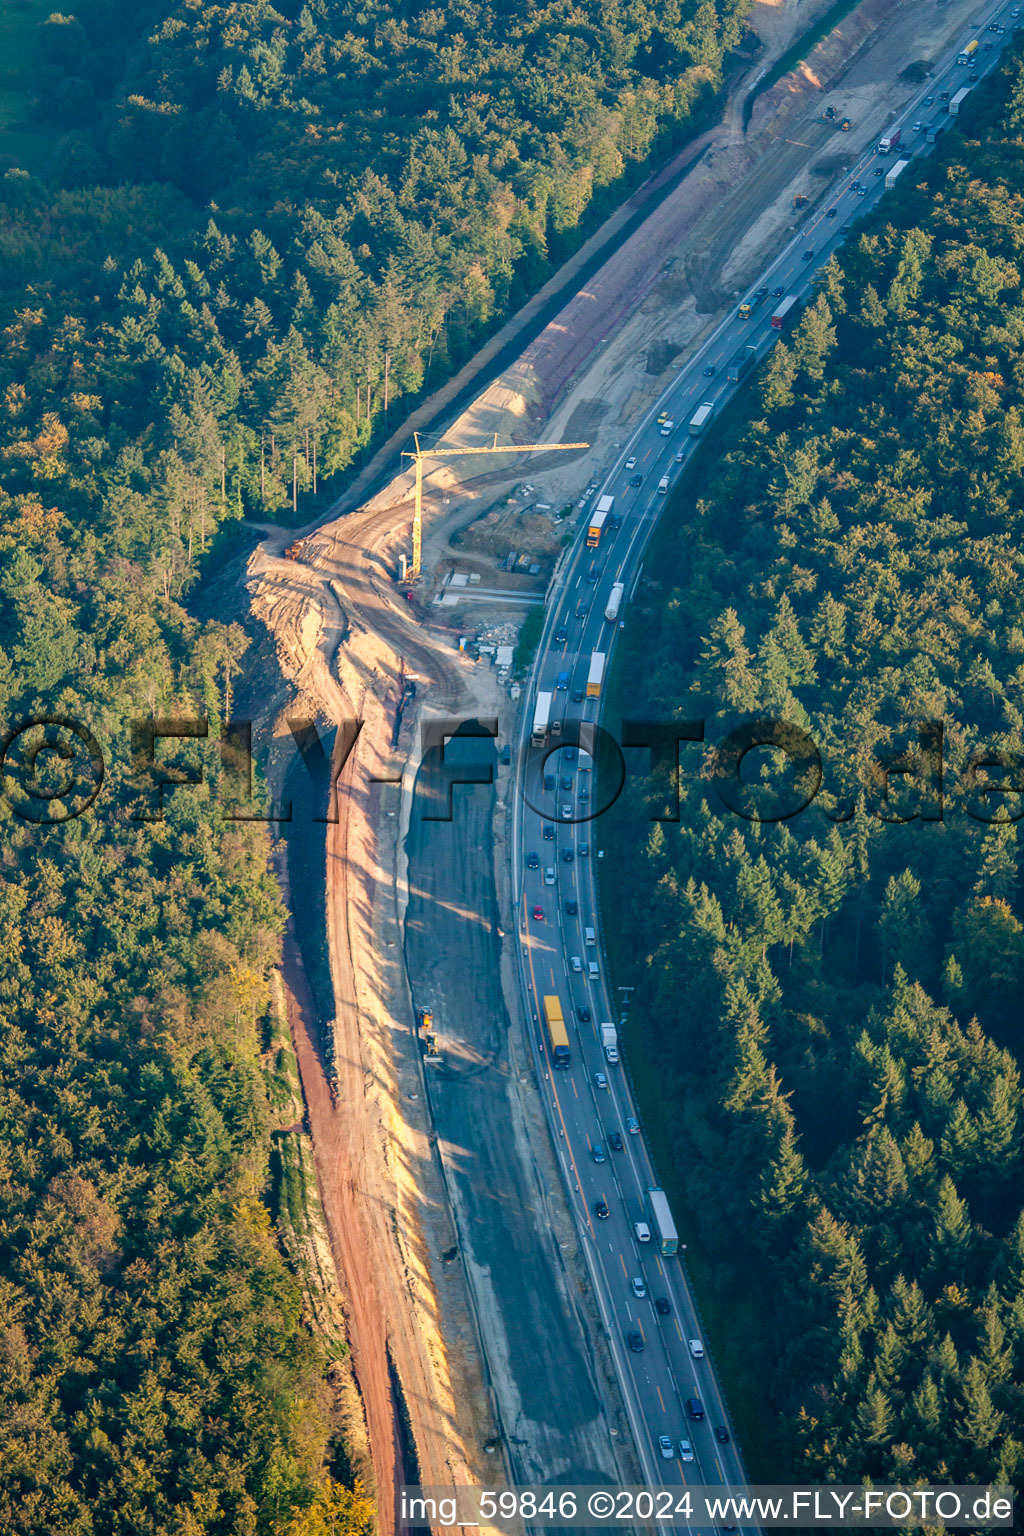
(778, 293)
(854, 186)
(583, 1014)
(614, 523)
(709, 371)
(570, 754)
(549, 833)
(808, 256)
(635, 1341)
(567, 781)
(561, 636)
(601, 1211)
(879, 170)
(833, 213)
(695, 1408)
(532, 861)
(549, 781)
(577, 695)
(584, 850)
(663, 1306)
(615, 1138)
(567, 855)
(722, 1434)
(571, 908)
(597, 1152)
(636, 480)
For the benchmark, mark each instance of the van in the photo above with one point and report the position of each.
(643, 1231)
(663, 484)
(667, 428)
(549, 875)
(588, 936)
(592, 970)
(695, 1408)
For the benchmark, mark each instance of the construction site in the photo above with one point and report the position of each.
(406, 605)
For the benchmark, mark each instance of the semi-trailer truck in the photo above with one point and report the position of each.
(897, 171)
(958, 100)
(597, 522)
(611, 612)
(595, 677)
(664, 1226)
(556, 1032)
(541, 719)
(784, 307)
(890, 141)
(610, 1041)
(739, 363)
(700, 418)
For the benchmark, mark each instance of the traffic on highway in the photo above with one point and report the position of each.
(674, 1402)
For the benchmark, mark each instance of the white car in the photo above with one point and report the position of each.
(917, 128)
(631, 461)
(639, 1288)
(666, 1447)
(576, 963)
(600, 1081)
(697, 1349)
(567, 813)
(643, 1231)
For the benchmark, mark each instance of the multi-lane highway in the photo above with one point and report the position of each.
(589, 1102)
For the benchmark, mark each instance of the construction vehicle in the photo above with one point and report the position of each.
(799, 199)
(845, 125)
(965, 56)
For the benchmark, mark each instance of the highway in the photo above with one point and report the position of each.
(555, 826)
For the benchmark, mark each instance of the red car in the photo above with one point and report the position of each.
(538, 914)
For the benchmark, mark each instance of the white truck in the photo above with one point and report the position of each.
(611, 611)
(958, 100)
(700, 418)
(892, 176)
(890, 141)
(541, 719)
(606, 503)
(610, 1041)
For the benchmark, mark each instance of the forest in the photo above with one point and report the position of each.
(827, 1004)
(246, 234)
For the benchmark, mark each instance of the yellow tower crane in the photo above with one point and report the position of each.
(445, 453)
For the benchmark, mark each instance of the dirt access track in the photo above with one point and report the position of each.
(346, 642)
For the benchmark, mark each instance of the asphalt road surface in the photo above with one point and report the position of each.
(590, 1099)
(554, 1421)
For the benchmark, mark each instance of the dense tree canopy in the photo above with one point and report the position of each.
(259, 226)
(831, 1000)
